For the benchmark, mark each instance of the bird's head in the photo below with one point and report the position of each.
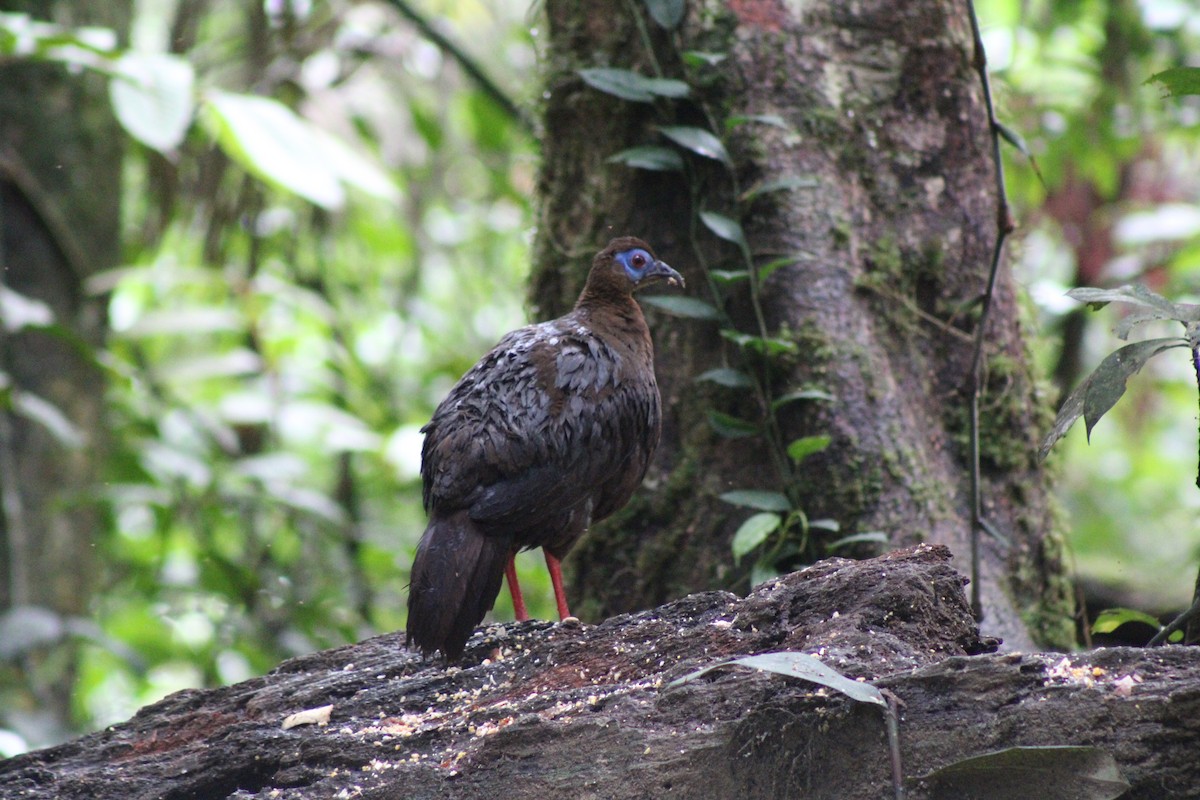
(627, 265)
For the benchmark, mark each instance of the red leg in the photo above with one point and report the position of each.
(560, 597)
(514, 588)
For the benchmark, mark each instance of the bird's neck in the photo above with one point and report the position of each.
(615, 312)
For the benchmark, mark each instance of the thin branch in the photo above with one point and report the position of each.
(485, 83)
(1004, 226)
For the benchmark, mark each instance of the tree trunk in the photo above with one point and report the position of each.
(60, 171)
(875, 110)
(540, 710)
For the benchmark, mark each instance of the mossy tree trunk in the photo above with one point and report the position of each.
(60, 172)
(875, 110)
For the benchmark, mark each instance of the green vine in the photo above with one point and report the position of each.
(778, 531)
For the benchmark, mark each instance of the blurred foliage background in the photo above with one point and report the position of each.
(304, 279)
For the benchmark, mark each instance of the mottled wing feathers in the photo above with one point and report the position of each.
(552, 428)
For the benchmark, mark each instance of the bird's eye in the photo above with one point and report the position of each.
(638, 260)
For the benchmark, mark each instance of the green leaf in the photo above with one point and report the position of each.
(765, 270)
(798, 665)
(728, 229)
(803, 394)
(769, 346)
(826, 524)
(731, 427)
(270, 141)
(773, 120)
(753, 532)
(652, 157)
(699, 58)
(779, 185)
(1110, 619)
(682, 306)
(152, 95)
(1178, 81)
(758, 499)
(1127, 323)
(734, 379)
(698, 140)
(629, 85)
(804, 447)
(1079, 773)
(726, 277)
(1137, 295)
(667, 13)
(1015, 139)
(1104, 387)
(873, 537)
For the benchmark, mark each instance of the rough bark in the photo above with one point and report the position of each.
(60, 166)
(559, 711)
(884, 114)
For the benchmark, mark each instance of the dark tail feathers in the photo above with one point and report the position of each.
(456, 576)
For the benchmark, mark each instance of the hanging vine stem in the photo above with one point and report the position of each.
(761, 386)
(1004, 226)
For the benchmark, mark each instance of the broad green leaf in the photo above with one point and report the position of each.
(731, 427)
(698, 140)
(804, 447)
(873, 537)
(682, 306)
(152, 95)
(1107, 383)
(652, 157)
(753, 532)
(728, 229)
(667, 13)
(1110, 619)
(270, 141)
(1104, 387)
(734, 379)
(798, 665)
(1178, 81)
(803, 394)
(1018, 773)
(825, 524)
(779, 185)
(758, 499)
(629, 85)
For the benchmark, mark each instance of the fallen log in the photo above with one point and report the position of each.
(551, 710)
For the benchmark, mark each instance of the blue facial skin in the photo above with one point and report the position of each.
(635, 262)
